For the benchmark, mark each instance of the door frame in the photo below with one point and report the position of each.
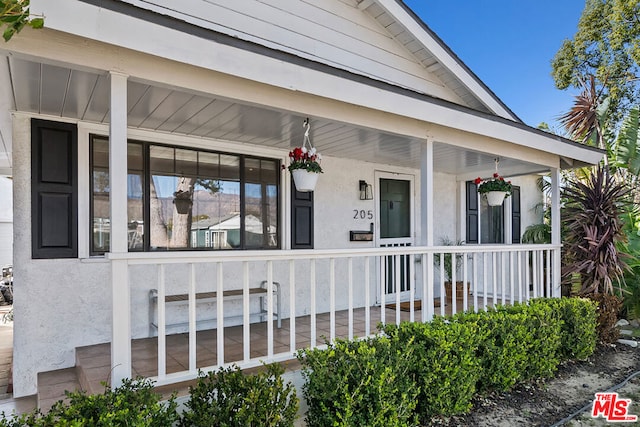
(378, 175)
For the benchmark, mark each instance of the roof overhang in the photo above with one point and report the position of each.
(48, 68)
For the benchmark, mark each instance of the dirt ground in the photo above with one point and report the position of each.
(547, 402)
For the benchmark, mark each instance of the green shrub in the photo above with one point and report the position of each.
(228, 397)
(542, 342)
(360, 383)
(445, 365)
(503, 356)
(134, 403)
(578, 334)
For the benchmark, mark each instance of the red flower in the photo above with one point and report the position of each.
(495, 174)
(501, 179)
(478, 180)
(297, 153)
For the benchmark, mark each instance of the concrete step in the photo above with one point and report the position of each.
(53, 384)
(93, 367)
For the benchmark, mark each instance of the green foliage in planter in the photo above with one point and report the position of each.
(134, 403)
(445, 365)
(228, 397)
(360, 383)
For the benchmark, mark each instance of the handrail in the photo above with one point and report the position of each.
(177, 257)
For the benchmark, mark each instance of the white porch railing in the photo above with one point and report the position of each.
(315, 286)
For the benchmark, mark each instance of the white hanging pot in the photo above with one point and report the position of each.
(495, 198)
(305, 181)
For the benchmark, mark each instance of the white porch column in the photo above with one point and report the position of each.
(120, 295)
(556, 289)
(426, 213)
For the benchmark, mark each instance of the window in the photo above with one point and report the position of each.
(181, 198)
(486, 224)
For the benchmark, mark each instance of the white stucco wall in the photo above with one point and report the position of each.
(6, 221)
(62, 304)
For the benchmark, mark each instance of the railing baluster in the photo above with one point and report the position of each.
(367, 297)
(443, 296)
(350, 272)
(485, 280)
(527, 286)
(475, 282)
(548, 275)
(454, 283)
(511, 278)
(465, 284)
(192, 319)
(246, 307)
(269, 309)
(220, 314)
(292, 306)
(398, 284)
(519, 257)
(534, 267)
(162, 333)
(494, 275)
(503, 278)
(412, 291)
(312, 281)
(332, 299)
(383, 292)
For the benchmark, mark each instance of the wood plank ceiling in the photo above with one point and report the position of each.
(84, 95)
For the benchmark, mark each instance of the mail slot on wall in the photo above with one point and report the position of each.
(361, 235)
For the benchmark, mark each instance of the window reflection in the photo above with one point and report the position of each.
(196, 199)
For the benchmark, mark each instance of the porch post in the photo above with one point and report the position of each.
(120, 296)
(426, 212)
(556, 289)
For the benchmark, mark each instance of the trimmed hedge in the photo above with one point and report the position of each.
(134, 403)
(360, 383)
(415, 371)
(226, 397)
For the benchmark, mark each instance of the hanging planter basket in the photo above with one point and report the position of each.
(183, 201)
(304, 180)
(495, 198)
(305, 163)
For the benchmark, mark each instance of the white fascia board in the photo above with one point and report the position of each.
(110, 27)
(452, 64)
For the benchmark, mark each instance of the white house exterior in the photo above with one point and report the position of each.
(218, 91)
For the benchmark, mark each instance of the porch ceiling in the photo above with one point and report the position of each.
(84, 95)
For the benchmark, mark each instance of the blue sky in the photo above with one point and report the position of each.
(509, 45)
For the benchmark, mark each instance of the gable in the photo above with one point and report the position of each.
(361, 37)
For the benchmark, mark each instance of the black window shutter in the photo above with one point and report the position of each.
(516, 230)
(301, 219)
(54, 189)
(472, 212)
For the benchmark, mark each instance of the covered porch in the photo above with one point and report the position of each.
(364, 129)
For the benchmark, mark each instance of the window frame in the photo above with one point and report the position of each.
(146, 198)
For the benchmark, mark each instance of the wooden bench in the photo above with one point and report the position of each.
(208, 297)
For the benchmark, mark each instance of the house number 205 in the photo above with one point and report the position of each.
(362, 214)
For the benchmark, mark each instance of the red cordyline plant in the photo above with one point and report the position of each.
(592, 219)
(497, 183)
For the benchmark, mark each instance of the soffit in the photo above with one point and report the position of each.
(83, 95)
